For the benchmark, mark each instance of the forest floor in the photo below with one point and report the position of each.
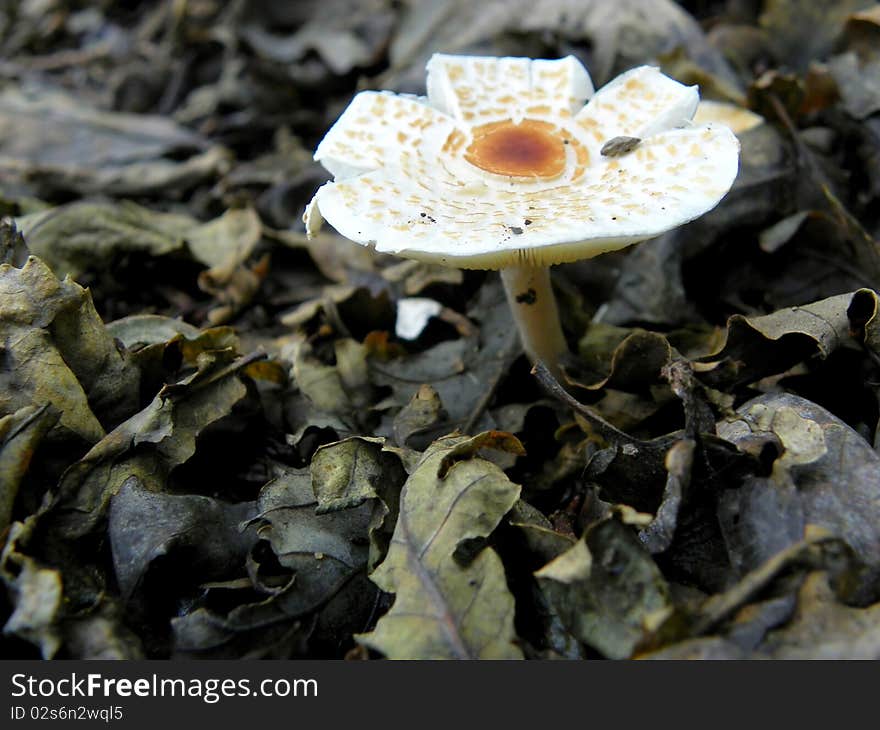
(220, 438)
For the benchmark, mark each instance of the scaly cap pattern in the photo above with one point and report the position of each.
(517, 162)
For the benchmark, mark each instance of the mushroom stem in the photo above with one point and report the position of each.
(531, 300)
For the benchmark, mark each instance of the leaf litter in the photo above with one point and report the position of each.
(221, 439)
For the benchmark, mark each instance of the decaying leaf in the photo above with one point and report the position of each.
(345, 34)
(148, 445)
(545, 542)
(85, 236)
(101, 634)
(13, 249)
(203, 634)
(468, 448)
(457, 370)
(652, 27)
(419, 419)
(20, 435)
(607, 589)
(327, 553)
(76, 237)
(757, 346)
(823, 628)
(356, 471)
(57, 351)
(859, 85)
(60, 143)
(444, 609)
(630, 470)
(146, 526)
(784, 21)
(283, 446)
(632, 360)
(825, 475)
(36, 592)
(657, 536)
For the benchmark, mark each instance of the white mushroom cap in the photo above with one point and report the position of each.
(736, 118)
(502, 164)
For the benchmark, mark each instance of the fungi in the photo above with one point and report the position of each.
(516, 164)
(735, 118)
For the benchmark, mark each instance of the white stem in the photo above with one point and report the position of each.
(534, 310)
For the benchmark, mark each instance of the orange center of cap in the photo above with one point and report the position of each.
(528, 149)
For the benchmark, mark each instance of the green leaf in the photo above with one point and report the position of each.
(621, 35)
(444, 609)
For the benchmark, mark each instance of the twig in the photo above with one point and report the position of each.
(602, 427)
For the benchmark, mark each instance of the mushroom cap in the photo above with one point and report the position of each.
(513, 161)
(736, 118)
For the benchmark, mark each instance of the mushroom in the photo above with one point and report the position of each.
(516, 164)
(736, 118)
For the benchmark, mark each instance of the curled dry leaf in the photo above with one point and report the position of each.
(772, 343)
(57, 351)
(607, 589)
(145, 526)
(325, 546)
(148, 445)
(349, 473)
(826, 474)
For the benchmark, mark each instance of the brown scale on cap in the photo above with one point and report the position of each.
(529, 149)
